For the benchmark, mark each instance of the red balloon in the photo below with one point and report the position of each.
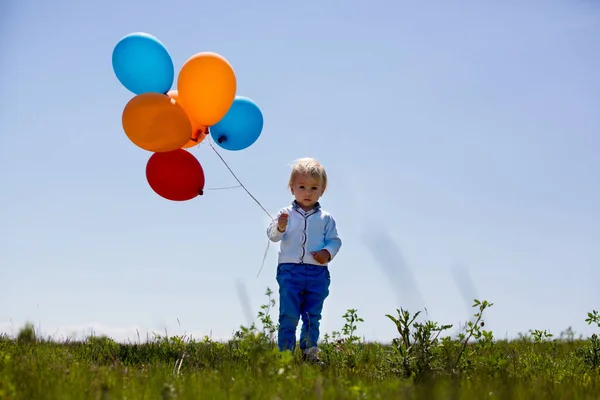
(175, 175)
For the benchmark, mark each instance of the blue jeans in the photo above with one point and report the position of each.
(303, 289)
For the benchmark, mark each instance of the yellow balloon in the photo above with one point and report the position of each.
(206, 85)
(154, 122)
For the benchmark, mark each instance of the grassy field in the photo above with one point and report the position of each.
(422, 363)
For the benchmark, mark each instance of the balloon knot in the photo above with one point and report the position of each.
(200, 192)
(221, 139)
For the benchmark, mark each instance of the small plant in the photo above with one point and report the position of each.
(27, 334)
(591, 352)
(265, 317)
(540, 336)
(416, 348)
(251, 344)
(568, 335)
(344, 348)
(474, 330)
(352, 318)
(101, 349)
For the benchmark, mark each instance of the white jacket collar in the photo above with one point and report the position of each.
(297, 207)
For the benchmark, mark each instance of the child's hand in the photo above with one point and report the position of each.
(282, 222)
(321, 256)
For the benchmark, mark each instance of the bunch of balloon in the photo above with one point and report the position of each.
(168, 121)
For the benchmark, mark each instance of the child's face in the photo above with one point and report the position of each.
(307, 191)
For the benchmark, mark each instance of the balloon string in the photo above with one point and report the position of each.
(240, 182)
(264, 258)
(223, 187)
(249, 194)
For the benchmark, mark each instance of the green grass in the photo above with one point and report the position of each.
(422, 363)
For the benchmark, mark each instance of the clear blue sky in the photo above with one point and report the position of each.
(468, 134)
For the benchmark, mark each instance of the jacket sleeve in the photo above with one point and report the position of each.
(272, 231)
(333, 243)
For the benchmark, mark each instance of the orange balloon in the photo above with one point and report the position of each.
(153, 122)
(207, 85)
(198, 132)
(197, 138)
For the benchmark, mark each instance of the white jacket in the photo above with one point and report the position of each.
(306, 232)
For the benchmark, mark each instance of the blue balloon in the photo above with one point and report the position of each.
(143, 64)
(240, 127)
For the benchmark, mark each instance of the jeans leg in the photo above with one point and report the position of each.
(315, 293)
(289, 306)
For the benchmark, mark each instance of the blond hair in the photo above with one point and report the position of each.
(309, 167)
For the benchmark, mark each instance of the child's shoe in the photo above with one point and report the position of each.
(312, 355)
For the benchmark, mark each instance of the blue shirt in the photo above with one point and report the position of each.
(306, 231)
